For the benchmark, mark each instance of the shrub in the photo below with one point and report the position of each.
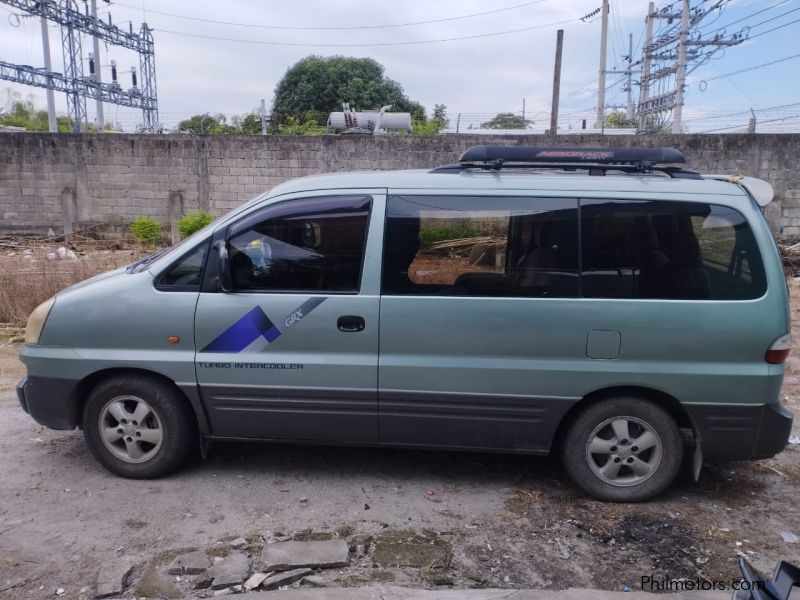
(146, 231)
(193, 221)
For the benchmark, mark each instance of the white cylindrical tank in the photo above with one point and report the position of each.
(386, 120)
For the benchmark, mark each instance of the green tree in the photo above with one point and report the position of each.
(507, 121)
(250, 124)
(293, 126)
(24, 113)
(440, 116)
(618, 120)
(207, 125)
(316, 86)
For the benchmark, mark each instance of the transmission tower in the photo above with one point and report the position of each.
(668, 59)
(72, 82)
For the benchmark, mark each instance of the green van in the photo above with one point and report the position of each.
(601, 302)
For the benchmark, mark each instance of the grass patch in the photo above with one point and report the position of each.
(27, 280)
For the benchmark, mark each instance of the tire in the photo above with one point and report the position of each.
(601, 455)
(138, 427)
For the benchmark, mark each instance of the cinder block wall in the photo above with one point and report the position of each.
(63, 181)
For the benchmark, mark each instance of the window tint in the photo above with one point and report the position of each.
(481, 246)
(672, 250)
(315, 244)
(187, 273)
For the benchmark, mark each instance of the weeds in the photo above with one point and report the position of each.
(29, 279)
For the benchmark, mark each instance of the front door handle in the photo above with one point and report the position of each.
(350, 323)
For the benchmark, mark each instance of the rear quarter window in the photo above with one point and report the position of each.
(669, 250)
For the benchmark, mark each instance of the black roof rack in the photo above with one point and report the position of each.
(596, 160)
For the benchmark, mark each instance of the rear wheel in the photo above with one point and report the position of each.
(623, 450)
(138, 427)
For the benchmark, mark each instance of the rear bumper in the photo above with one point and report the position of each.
(50, 401)
(741, 433)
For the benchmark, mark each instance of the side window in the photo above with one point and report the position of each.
(481, 246)
(186, 274)
(676, 250)
(312, 245)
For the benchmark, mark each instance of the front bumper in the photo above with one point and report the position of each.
(741, 432)
(51, 402)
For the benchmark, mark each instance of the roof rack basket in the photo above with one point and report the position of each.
(596, 160)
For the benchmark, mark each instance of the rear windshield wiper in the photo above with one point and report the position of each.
(139, 264)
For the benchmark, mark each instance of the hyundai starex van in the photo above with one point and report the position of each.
(602, 303)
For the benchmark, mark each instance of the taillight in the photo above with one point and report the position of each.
(779, 350)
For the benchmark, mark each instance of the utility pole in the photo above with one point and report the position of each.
(98, 69)
(556, 83)
(73, 70)
(52, 124)
(601, 82)
(644, 92)
(629, 81)
(751, 125)
(680, 77)
(263, 112)
(677, 54)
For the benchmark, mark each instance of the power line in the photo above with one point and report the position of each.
(750, 15)
(760, 123)
(774, 29)
(753, 68)
(373, 44)
(330, 28)
(774, 18)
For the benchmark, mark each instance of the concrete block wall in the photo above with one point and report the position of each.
(64, 181)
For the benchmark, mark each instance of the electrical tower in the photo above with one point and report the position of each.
(72, 82)
(668, 59)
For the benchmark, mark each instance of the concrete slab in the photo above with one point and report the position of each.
(284, 556)
(113, 577)
(230, 571)
(273, 582)
(192, 563)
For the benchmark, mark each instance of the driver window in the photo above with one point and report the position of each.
(313, 245)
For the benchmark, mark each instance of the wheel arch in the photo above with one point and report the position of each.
(188, 393)
(669, 403)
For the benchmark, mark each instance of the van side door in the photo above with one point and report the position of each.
(479, 320)
(289, 350)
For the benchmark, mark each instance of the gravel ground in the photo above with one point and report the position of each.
(508, 521)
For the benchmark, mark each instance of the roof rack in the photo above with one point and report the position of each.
(596, 160)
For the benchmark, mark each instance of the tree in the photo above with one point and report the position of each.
(507, 121)
(618, 120)
(250, 124)
(440, 116)
(315, 86)
(23, 113)
(207, 125)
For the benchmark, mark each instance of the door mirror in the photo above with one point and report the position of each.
(225, 280)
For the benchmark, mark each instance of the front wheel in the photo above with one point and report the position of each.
(138, 427)
(623, 450)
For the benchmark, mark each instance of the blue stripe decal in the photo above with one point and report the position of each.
(254, 324)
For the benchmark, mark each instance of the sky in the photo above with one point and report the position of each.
(224, 57)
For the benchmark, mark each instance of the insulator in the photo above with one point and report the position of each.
(133, 76)
(114, 71)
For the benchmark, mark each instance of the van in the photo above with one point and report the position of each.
(603, 303)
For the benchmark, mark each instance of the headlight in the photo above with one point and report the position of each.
(36, 321)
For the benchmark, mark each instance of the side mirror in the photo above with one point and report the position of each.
(225, 279)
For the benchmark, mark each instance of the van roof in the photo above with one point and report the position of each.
(540, 181)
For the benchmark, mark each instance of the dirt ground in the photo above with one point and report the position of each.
(508, 521)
